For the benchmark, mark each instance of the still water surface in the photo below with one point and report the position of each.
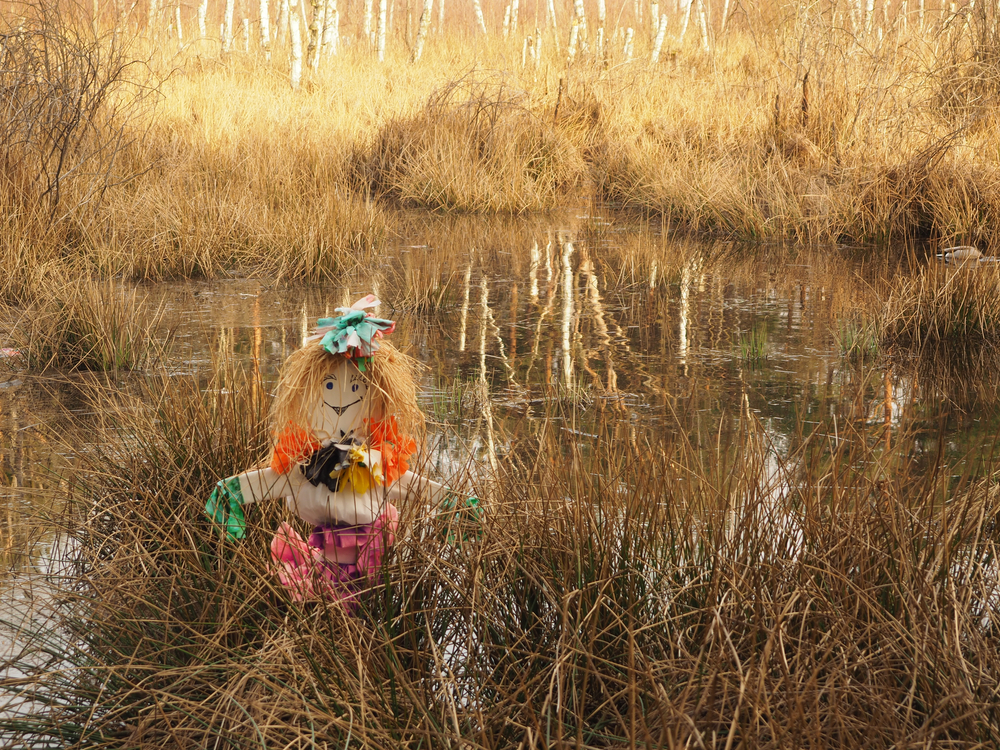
(581, 324)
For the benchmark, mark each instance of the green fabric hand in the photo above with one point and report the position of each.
(464, 514)
(225, 507)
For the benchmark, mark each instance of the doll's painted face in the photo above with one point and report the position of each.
(343, 404)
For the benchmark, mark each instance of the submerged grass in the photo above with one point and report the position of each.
(629, 594)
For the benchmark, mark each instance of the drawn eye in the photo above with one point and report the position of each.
(329, 385)
(354, 387)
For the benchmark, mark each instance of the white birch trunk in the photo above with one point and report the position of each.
(422, 28)
(265, 29)
(538, 48)
(581, 17)
(227, 27)
(440, 29)
(869, 14)
(477, 8)
(315, 34)
(245, 28)
(303, 18)
(296, 38)
(380, 33)
(574, 35)
(658, 43)
(506, 21)
(920, 15)
(513, 16)
(368, 22)
(602, 13)
(687, 20)
(180, 31)
(202, 19)
(629, 35)
(282, 21)
(654, 20)
(331, 30)
(704, 25)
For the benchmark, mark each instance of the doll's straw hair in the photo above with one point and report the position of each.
(390, 374)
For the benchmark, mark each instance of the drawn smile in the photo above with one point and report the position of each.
(339, 410)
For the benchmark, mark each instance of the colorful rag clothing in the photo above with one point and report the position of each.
(294, 446)
(308, 569)
(395, 447)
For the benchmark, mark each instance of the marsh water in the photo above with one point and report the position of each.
(584, 324)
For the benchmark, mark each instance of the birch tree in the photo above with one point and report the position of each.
(315, 34)
(581, 17)
(202, 19)
(296, 37)
(367, 28)
(477, 8)
(658, 44)
(227, 27)
(380, 42)
(283, 14)
(425, 24)
(550, 12)
(331, 29)
(265, 29)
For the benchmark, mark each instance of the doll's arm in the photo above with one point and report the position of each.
(418, 485)
(225, 504)
(462, 514)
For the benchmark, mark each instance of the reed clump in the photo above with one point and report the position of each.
(475, 147)
(630, 593)
(943, 306)
(83, 324)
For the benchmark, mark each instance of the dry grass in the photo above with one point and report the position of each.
(475, 147)
(645, 595)
(941, 305)
(232, 171)
(82, 324)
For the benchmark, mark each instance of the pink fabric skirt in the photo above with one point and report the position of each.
(308, 569)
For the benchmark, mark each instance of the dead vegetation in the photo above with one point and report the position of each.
(654, 598)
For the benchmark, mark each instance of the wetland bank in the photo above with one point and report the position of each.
(733, 494)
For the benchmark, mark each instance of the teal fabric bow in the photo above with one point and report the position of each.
(225, 507)
(353, 332)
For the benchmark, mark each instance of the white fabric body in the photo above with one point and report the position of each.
(319, 506)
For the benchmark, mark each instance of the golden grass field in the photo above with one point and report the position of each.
(796, 124)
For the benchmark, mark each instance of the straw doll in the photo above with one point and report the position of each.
(345, 409)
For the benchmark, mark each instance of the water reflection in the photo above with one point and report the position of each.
(622, 333)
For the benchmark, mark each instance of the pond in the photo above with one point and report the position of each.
(586, 325)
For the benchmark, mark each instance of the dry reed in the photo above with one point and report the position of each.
(631, 594)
